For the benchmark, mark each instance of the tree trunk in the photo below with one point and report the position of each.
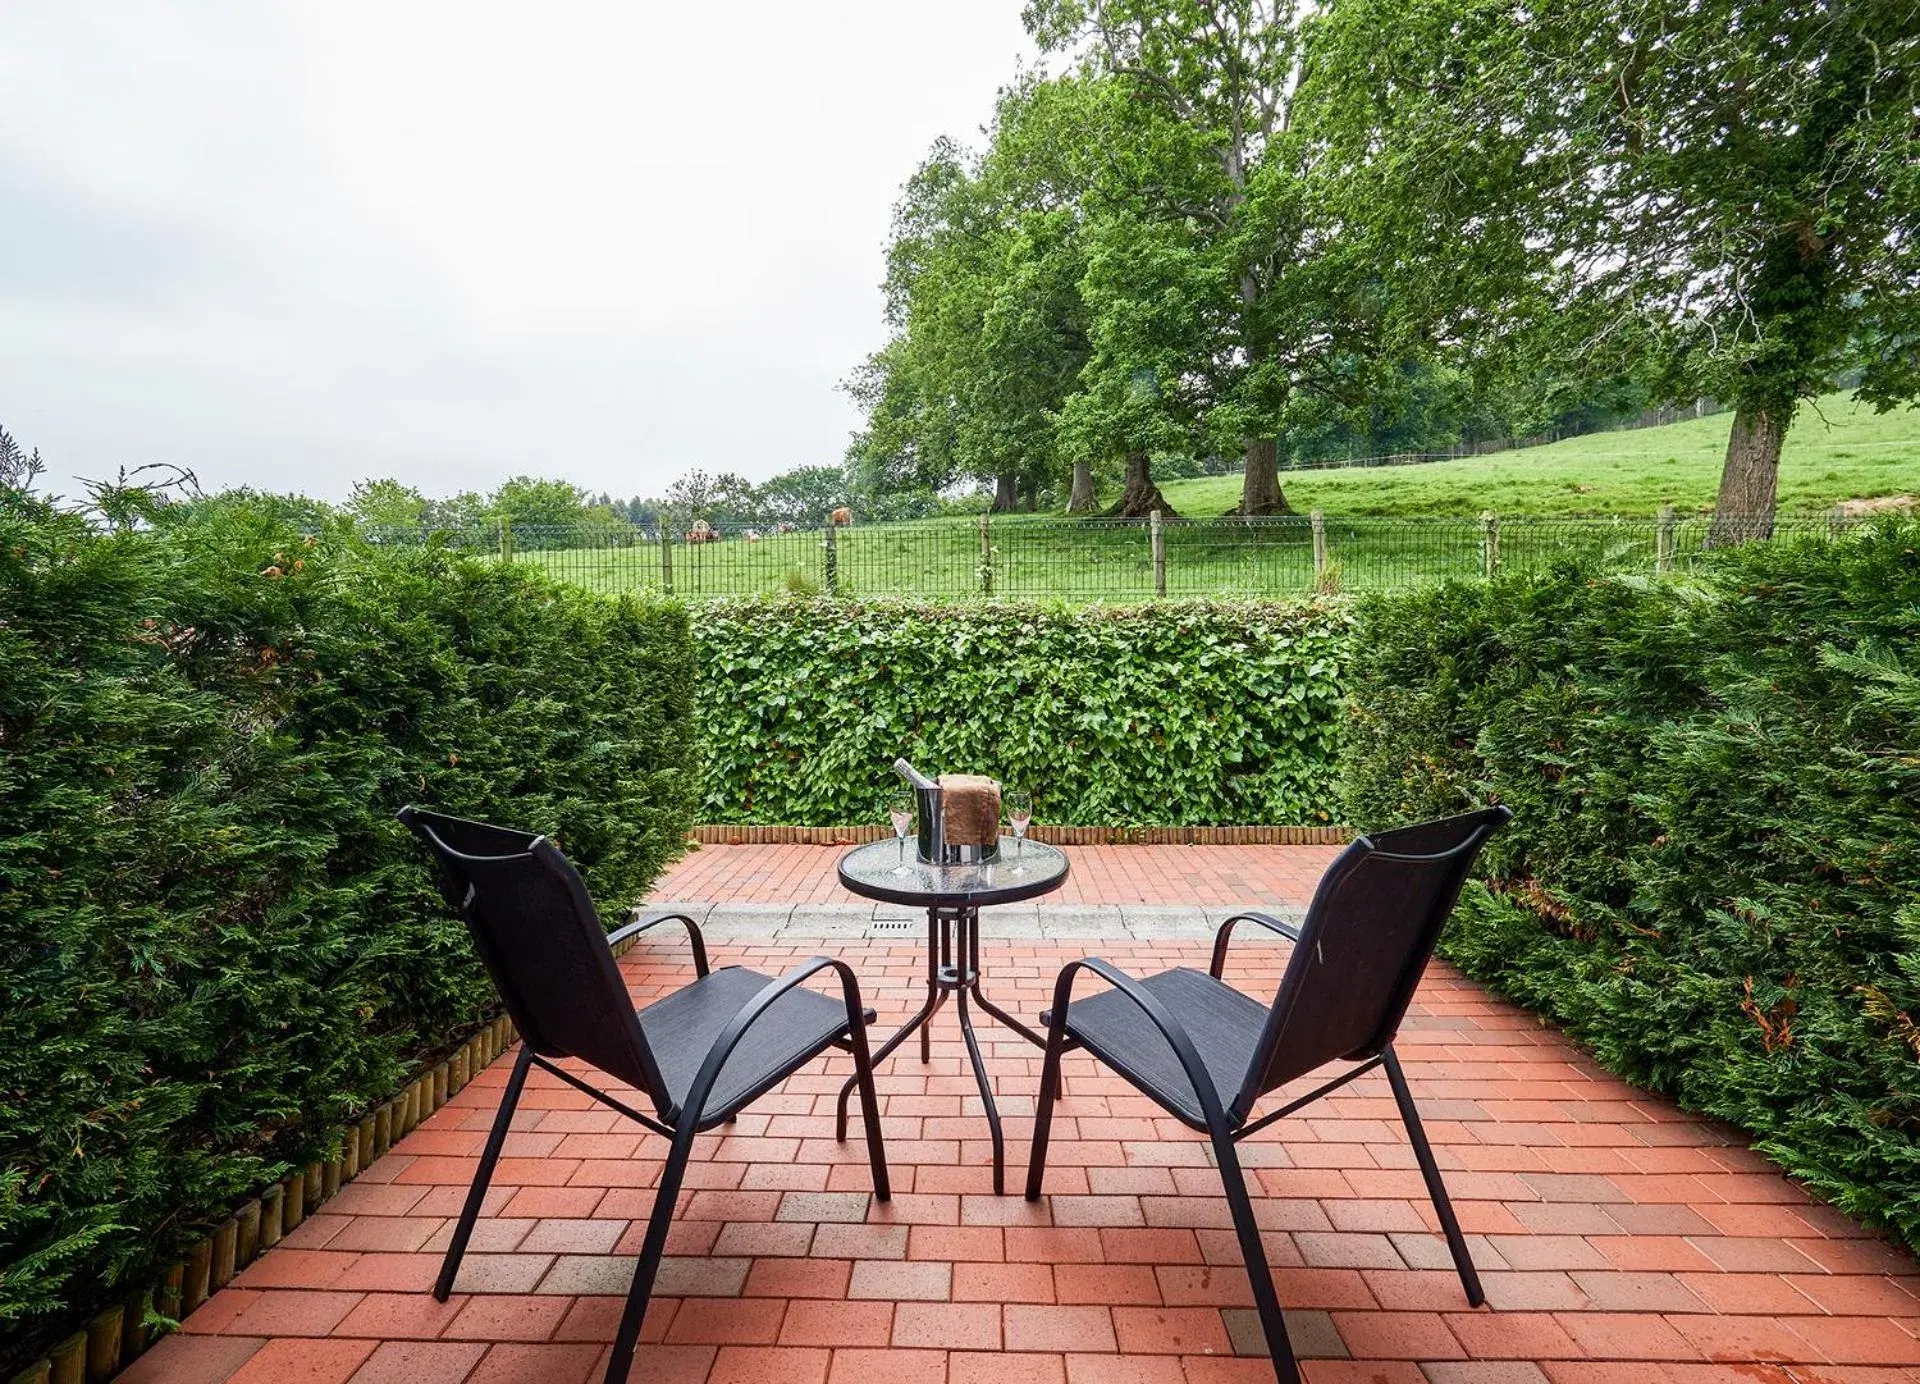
(1080, 500)
(1744, 509)
(1004, 498)
(1141, 496)
(1260, 491)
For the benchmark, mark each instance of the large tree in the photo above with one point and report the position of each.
(983, 268)
(1722, 191)
(386, 505)
(1280, 326)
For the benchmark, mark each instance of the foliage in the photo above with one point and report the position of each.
(1712, 872)
(1233, 274)
(1723, 191)
(983, 269)
(387, 504)
(803, 496)
(19, 468)
(215, 942)
(1171, 714)
(528, 504)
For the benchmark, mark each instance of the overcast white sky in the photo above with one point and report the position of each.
(292, 245)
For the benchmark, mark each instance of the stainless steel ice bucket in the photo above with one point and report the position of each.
(932, 834)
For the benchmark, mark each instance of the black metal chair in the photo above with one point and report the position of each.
(1184, 1038)
(699, 1054)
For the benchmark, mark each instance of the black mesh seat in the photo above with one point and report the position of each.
(1207, 1054)
(1223, 1024)
(682, 1028)
(698, 1055)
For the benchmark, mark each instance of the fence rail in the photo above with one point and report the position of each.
(1094, 559)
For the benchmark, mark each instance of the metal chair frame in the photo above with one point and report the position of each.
(1226, 1123)
(678, 1123)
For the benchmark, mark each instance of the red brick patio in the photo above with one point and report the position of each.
(1218, 875)
(1619, 1238)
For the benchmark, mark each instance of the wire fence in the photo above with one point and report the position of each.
(1086, 560)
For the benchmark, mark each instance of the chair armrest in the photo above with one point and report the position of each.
(752, 1011)
(1161, 1017)
(635, 928)
(1267, 921)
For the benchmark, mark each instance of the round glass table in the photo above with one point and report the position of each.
(953, 895)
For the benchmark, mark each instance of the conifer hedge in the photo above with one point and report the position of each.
(215, 942)
(1712, 878)
(1176, 713)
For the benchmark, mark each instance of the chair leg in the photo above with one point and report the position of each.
(483, 1175)
(1043, 1109)
(869, 1112)
(1430, 1170)
(1272, 1321)
(651, 1250)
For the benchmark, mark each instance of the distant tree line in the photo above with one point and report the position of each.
(1243, 234)
(535, 509)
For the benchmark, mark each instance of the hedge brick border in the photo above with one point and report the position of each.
(721, 834)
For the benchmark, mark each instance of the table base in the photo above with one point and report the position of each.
(953, 968)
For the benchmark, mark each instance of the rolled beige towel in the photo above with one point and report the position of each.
(971, 805)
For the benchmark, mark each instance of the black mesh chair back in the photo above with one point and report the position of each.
(540, 939)
(1366, 941)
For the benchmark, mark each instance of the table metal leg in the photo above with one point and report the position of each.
(953, 966)
(986, 1091)
(935, 998)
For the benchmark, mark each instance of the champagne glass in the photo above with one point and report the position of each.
(900, 811)
(1019, 813)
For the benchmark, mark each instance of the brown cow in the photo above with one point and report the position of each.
(840, 517)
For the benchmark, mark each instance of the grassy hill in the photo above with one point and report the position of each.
(1386, 527)
(1839, 449)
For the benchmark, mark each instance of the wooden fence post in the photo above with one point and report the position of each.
(506, 541)
(272, 1209)
(133, 1325)
(226, 1250)
(1319, 521)
(1663, 540)
(70, 1360)
(1489, 542)
(666, 556)
(986, 556)
(832, 558)
(246, 1240)
(1159, 540)
(198, 1286)
(105, 1335)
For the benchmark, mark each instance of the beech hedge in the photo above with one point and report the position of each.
(1167, 714)
(1712, 878)
(215, 942)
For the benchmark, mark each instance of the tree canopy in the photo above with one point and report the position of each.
(1721, 192)
(1267, 228)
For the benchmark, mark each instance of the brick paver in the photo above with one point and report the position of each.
(1281, 876)
(1619, 1238)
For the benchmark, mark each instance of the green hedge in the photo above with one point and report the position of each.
(1171, 714)
(215, 942)
(1713, 875)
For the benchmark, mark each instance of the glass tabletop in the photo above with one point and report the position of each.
(892, 871)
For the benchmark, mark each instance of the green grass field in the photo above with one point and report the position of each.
(1838, 450)
(1387, 526)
